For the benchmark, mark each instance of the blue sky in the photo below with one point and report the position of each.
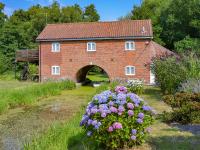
(108, 9)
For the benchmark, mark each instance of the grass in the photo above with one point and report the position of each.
(10, 98)
(70, 136)
(98, 77)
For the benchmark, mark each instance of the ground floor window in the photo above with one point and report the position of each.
(130, 70)
(55, 70)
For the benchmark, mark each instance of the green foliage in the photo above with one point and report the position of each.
(188, 45)
(3, 64)
(135, 86)
(186, 107)
(33, 69)
(2, 15)
(25, 96)
(169, 74)
(91, 14)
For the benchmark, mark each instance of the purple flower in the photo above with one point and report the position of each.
(110, 129)
(89, 121)
(130, 113)
(113, 109)
(134, 131)
(130, 105)
(140, 121)
(117, 125)
(103, 115)
(141, 115)
(94, 122)
(134, 98)
(121, 97)
(89, 133)
(121, 89)
(94, 110)
(146, 108)
(121, 109)
(111, 103)
(133, 137)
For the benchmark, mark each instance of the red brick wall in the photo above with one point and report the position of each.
(73, 56)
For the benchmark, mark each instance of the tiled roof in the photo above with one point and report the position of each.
(158, 50)
(97, 30)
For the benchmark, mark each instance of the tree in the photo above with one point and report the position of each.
(2, 15)
(188, 45)
(71, 14)
(180, 19)
(91, 14)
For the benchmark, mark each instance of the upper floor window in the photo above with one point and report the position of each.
(130, 70)
(91, 46)
(55, 47)
(130, 45)
(55, 70)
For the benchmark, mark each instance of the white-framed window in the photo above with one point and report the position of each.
(55, 47)
(55, 70)
(130, 70)
(129, 45)
(91, 46)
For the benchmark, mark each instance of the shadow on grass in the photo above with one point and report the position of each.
(81, 142)
(175, 143)
(194, 129)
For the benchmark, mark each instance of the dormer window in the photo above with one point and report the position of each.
(55, 47)
(91, 46)
(129, 45)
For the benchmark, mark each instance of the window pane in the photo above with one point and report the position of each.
(132, 45)
(127, 45)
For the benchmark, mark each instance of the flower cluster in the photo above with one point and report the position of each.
(119, 113)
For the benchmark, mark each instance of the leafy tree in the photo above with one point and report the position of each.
(2, 15)
(71, 14)
(188, 45)
(91, 14)
(180, 19)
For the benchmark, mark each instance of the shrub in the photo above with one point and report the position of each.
(117, 118)
(186, 108)
(33, 69)
(190, 85)
(136, 86)
(169, 74)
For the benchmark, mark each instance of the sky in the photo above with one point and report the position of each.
(109, 10)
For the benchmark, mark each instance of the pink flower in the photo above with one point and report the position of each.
(103, 115)
(119, 113)
(121, 89)
(130, 105)
(117, 125)
(113, 109)
(110, 129)
(130, 113)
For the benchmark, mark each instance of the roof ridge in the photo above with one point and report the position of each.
(99, 22)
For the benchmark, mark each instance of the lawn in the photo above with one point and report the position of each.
(69, 135)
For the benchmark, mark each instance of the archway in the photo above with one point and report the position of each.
(93, 73)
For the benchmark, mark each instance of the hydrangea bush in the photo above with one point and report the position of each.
(117, 118)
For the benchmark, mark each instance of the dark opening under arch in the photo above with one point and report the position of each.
(82, 73)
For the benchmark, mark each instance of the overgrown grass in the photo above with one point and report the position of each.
(14, 97)
(98, 77)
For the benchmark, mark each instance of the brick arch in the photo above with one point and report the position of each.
(82, 72)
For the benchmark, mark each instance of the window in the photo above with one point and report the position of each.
(129, 45)
(55, 70)
(91, 46)
(130, 70)
(55, 47)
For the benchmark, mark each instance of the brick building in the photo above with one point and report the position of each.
(121, 48)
